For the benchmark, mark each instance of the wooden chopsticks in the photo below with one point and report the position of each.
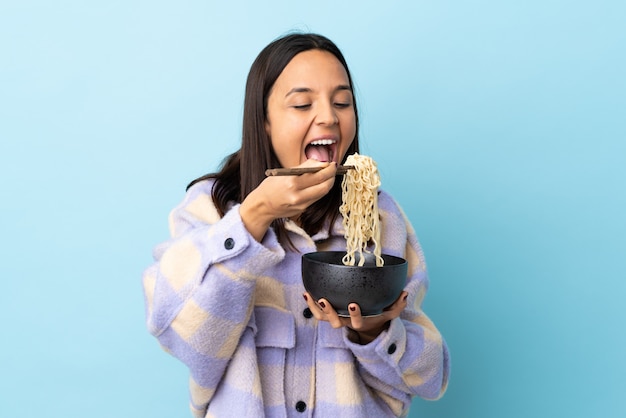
(296, 171)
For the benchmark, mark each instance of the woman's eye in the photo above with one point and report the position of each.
(343, 105)
(302, 107)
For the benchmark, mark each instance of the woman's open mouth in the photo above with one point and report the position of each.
(321, 150)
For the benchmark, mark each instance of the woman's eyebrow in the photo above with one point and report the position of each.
(298, 90)
(294, 90)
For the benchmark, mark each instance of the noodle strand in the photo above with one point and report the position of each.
(359, 209)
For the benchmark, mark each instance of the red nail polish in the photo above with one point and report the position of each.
(353, 308)
(305, 298)
(322, 304)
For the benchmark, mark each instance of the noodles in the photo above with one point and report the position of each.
(360, 209)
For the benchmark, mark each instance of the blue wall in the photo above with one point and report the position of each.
(499, 126)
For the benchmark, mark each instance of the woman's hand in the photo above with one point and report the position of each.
(363, 329)
(285, 197)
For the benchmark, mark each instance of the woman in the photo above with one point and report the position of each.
(225, 294)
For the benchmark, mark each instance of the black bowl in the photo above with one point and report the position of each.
(373, 288)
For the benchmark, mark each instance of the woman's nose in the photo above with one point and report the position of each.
(327, 115)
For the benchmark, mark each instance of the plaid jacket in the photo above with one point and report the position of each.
(232, 310)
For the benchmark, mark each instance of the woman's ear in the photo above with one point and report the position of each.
(267, 128)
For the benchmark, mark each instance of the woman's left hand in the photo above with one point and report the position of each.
(363, 329)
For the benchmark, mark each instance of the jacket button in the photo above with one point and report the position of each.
(300, 406)
(229, 244)
(391, 349)
(307, 313)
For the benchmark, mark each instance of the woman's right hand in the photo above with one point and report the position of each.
(285, 197)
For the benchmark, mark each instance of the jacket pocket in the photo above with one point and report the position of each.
(330, 337)
(274, 328)
(275, 335)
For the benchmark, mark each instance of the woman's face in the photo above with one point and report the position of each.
(310, 110)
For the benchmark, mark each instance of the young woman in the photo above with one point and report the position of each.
(225, 293)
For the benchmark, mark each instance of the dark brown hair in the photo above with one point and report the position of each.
(242, 171)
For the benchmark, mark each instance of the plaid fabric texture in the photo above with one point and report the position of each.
(232, 310)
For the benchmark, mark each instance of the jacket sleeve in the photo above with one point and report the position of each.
(199, 292)
(411, 357)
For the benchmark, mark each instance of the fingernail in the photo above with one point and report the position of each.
(322, 304)
(352, 308)
(405, 297)
(305, 298)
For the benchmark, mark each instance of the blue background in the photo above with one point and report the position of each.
(500, 127)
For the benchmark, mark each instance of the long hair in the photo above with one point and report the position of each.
(242, 171)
